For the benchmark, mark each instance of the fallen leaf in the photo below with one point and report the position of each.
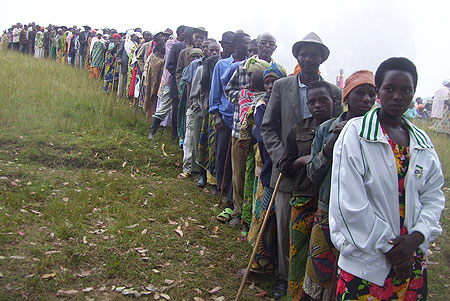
(171, 222)
(221, 298)
(199, 291)
(68, 292)
(163, 151)
(129, 291)
(83, 274)
(124, 163)
(156, 296)
(16, 257)
(66, 183)
(1, 275)
(84, 240)
(120, 289)
(215, 290)
(100, 224)
(202, 253)
(165, 296)
(216, 228)
(144, 293)
(168, 281)
(88, 289)
(151, 288)
(49, 276)
(155, 271)
(132, 226)
(198, 299)
(52, 252)
(21, 233)
(36, 212)
(178, 230)
(65, 199)
(144, 232)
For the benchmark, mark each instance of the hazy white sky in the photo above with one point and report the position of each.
(360, 34)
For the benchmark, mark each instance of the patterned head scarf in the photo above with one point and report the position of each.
(275, 70)
(252, 64)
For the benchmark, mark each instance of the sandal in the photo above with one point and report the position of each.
(183, 175)
(225, 215)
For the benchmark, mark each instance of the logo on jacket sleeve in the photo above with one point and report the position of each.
(418, 172)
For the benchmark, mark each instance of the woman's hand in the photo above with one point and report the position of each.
(328, 148)
(404, 271)
(404, 247)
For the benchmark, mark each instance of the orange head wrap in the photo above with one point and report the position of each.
(358, 78)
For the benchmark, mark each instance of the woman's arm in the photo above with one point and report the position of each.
(432, 200)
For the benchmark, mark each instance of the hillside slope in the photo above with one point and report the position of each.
(87, 203)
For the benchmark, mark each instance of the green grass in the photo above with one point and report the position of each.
(82, 191)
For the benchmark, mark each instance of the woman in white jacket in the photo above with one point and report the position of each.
(386, 197)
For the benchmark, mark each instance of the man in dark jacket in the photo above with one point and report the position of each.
(83, 39)
(47, 42)
(23, 38)
(171, 66)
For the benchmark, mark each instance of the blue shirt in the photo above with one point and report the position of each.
(304, 106)
(217, 99)
(228, 74)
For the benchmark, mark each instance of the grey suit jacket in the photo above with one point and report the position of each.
(282, 112)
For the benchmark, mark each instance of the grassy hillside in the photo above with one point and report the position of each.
(86, 203)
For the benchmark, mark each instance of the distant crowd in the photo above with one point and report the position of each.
(356, 185)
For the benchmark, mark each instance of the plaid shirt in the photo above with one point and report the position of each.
(237, 82)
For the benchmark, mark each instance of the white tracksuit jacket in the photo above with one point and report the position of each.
(364, 206)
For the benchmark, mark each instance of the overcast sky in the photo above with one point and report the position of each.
(360, 34)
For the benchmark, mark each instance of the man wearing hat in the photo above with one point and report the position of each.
(286, 107)
(199, 35)
(227, 44)
(144, 51)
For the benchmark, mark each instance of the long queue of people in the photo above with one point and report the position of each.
(359, 186)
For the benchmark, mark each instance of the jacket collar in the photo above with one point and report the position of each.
(371, 131)
(336, 121)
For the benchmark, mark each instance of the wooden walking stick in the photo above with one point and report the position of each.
(227, 159)
(261, 231)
